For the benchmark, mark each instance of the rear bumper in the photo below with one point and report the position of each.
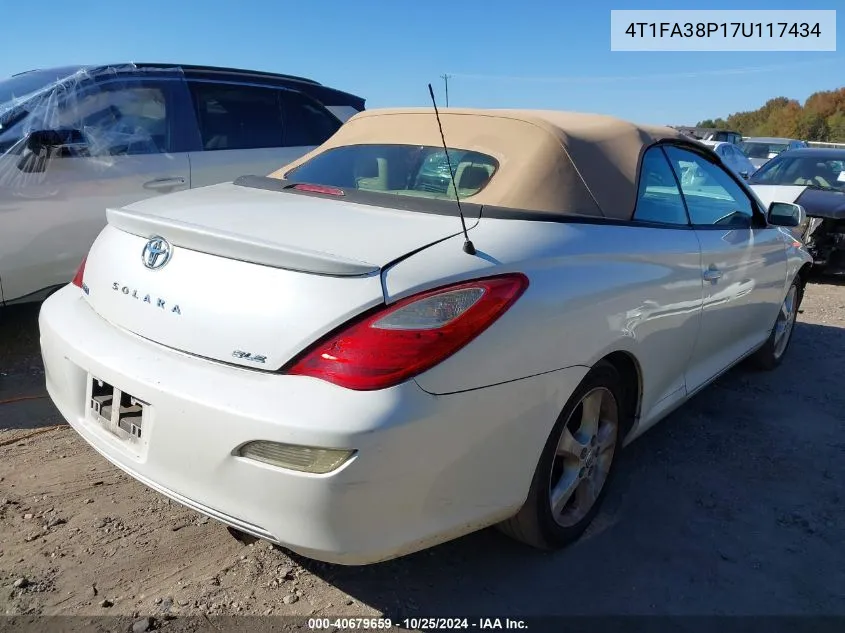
(428, 468)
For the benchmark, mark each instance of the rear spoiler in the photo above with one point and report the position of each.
(237, 247)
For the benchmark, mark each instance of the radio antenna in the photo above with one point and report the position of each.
(469, 248)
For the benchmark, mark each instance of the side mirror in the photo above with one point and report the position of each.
(786, 214)
(41, 141)
(42, 145)
(744, 174)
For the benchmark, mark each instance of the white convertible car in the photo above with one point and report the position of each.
(325, 359)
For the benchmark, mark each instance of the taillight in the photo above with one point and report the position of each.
(80, 273)
(400, 341)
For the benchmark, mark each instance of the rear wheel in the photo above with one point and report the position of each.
(577, 461)
(771, 354)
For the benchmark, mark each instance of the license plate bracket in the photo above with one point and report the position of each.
(115, 410)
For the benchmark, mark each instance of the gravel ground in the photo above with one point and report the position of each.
(732, 505)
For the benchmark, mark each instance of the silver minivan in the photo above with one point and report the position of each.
(77, 140)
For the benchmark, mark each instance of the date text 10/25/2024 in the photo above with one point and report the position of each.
(417, 624)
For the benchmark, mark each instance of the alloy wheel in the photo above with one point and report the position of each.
(583, 457)
(786, 321)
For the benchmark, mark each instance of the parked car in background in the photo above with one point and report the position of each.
(761, 149)
(725, 136)
(395, 377)
(815, 179)
(74, 141)
(732, 156)
(711, 134)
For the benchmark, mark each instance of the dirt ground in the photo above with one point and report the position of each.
(733, 505)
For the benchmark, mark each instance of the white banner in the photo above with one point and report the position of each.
(711, 30)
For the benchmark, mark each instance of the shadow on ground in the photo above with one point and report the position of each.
(732, 505)
(18, 334)
(23, 397)
(826, 279)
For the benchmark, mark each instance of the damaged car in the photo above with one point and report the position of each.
(813, 178)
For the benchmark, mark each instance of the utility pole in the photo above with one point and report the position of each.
(446, 82)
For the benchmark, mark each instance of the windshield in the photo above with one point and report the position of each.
(14, 107)
(756, 149)
(813, 171)
(22, 85)
(407, 170)
(19, 98)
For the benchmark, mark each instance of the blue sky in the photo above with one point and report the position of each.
(533, 54)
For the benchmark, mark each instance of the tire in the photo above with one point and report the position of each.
(771, 354)
(536, 524)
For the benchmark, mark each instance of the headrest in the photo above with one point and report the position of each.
(473, 177)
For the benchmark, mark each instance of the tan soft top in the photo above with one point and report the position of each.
(549, 161)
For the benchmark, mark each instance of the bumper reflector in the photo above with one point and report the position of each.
(302, 458)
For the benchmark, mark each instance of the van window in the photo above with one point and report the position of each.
(237, 117)
(118, 118)
(307, 122)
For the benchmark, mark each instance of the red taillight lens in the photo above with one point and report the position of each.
(405, 339)
(77, 278)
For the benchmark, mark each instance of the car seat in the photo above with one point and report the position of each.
(470, 177)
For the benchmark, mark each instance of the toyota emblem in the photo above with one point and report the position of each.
(156, 253)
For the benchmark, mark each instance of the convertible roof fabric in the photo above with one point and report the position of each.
(562, 163)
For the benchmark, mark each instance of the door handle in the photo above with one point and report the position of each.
(164, 183)
(712, 274)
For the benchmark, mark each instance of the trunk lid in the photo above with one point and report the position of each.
(253, 276)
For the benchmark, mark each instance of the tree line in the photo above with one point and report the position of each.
(821, 118)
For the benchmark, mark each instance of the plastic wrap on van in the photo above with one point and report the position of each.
(83, 115)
